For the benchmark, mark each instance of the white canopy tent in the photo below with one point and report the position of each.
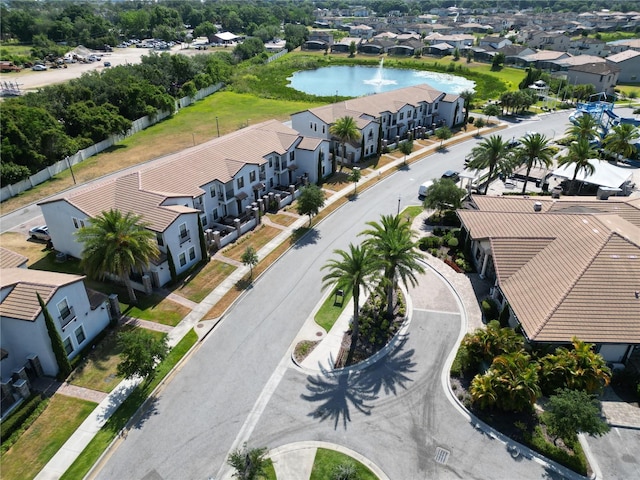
(605, 174)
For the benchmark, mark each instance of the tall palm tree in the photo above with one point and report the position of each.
(468, 96)
(620, 140)
(117, 244)
(585, 127)
(353, 270)
(392, 240)
(534, 151)
(580, 155)
(346, 130)
(488, 154)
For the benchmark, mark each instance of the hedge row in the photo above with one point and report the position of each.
(21, 419)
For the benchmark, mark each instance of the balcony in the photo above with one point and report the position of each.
(67, 316)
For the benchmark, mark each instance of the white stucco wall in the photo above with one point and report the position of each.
(59, 218)
(178, 246)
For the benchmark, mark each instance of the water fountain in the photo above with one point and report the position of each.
(378, 79)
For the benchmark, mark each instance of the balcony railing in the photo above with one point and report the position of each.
(67, 316)
(184, 237)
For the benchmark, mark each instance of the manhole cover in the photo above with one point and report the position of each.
(318, 334)
(442, 455)
(199, 325)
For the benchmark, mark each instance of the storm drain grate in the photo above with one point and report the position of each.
(442, 455)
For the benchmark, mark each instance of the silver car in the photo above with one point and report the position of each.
(40, 233)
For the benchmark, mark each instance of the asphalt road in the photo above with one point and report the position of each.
(240, 385)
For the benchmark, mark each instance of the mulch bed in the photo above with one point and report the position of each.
(369, 345)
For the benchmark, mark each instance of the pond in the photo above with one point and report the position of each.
(356, 81)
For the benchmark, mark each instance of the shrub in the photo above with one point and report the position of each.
(576, 462)
(345, 471)
(489, 309)
(450, 218)
(504, 315)
(461, 362)
(452, 242)
(18, 418)
(471, 120)
(427, 243)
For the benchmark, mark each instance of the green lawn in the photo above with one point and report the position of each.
(327, 461)
(509, 75)
(119, 419)
(154, 308)
(330, 311)
(44, 438)
(202, 282)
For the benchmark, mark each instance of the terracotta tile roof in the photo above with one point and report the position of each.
(183, 174)
(124, 194)
(365, 109)
(309, 143)
(22, 302)
(510, 203)
(565, 274)
(9, 259)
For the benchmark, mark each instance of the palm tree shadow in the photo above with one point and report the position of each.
(338, 393)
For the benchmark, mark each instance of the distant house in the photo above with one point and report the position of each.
(318, 41)
(78, 315)
(588, 46)
(217, 183)
(382, 118)
(564, 268)
(494, 42)
(377, 46)
(629, 64)
(344, 45)
(549, 41)
(603, 76)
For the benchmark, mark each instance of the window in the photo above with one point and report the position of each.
(159, 239)
(401, 115)
(323, 127)
(183, 259)
(80, 336)
(215, 214)
(271, 161)
(184, 233)
(292, 156)
(252, 176)
(82, 223)
(192, 253)
(212, 190)
(203, 219)
(240, 182)
(75, 222)
(310, 125)
(315, 127)
(63, 308)
(68, 346)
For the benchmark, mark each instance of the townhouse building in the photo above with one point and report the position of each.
(382, 118)
(78, 315)
(216, 185)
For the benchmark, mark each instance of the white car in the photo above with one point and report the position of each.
(39, 68)
(40, 233)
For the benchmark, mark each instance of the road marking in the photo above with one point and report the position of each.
(256, 412)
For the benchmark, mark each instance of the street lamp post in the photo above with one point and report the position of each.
(217, 126)
(399, 199)
(71, 170)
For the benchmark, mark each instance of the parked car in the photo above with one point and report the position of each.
(451, 175)
(39, 68)
(107, 64)
(40, 233)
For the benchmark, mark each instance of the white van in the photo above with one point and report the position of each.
(422, 190)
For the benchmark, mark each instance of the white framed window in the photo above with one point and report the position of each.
(192, 253)
(292, 156)
(68, 345)
(63, 308)
(212, 191)
(160, 239)
(75, 222)
(215, 214)
(182, 259)
(80, 336)
(183, 230)
(204, 221)
(240, 182)
(323, 128)
(252, 176)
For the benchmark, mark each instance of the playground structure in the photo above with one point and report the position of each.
(601, 109)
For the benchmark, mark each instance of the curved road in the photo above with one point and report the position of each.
(240, 385)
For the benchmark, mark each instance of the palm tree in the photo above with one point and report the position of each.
(517, 378)
(353, 270)
(468, 96)
(116, 244)
(580, 155)
(534, 151)
(392, 241)
(483, 391)
(620, 140)
(585, 127)
(346, 130)
(490, 151)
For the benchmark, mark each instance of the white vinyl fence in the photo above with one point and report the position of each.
(9, 191)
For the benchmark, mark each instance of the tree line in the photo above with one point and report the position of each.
(43, 127)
